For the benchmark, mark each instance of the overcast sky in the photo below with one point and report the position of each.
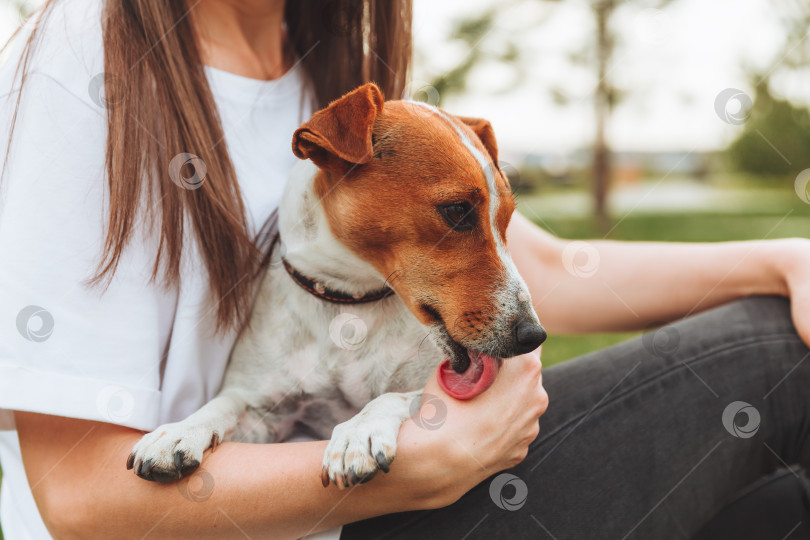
(675, 62)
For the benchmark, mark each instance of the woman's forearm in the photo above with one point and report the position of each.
(77, 471)
(603, 286)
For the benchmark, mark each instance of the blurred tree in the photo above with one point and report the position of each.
(604, 101)
(596, 55)
(794, 16)
(471, 31)
(775, 140)
(599, 56)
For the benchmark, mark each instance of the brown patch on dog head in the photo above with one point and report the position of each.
(391, 209)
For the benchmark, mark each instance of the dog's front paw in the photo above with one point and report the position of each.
(171, 452)
(358, 449)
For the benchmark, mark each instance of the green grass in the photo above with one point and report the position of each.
(559, 348)
(791, 219)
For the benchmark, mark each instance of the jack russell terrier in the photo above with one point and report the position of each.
(397, 222)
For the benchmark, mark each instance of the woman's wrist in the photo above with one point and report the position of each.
(786, 260)
(431, 467)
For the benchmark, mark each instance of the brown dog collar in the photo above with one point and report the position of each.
(316, 288)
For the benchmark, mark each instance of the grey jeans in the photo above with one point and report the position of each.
(648, 439)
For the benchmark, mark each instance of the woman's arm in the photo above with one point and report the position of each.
(77, 472)
(604, 286)
(83, 490)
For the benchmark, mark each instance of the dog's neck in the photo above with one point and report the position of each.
(309, 245)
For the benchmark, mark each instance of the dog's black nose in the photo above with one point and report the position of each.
(528, 335)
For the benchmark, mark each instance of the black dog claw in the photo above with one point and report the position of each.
(145, 469)
(382, 461)
(179, 457)
(189, 468)
(365, 478)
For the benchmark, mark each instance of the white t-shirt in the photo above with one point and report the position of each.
(136, 355)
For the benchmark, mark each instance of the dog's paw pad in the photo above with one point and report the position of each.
(169, 453)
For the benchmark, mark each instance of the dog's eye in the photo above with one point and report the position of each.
(459, 216)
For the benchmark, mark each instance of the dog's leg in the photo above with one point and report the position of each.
(175, 450)
(367, 442)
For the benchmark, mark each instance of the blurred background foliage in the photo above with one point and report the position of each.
(776, 122)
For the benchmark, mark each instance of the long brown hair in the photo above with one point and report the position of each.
(159, 106)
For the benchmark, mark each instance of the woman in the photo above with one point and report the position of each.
(119, 330)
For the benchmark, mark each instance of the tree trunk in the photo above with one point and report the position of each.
(602, 101)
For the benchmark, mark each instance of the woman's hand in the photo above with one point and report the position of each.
(464, 442)
(792, 264)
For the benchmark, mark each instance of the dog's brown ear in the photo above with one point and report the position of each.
(339, 136)
(483, 129)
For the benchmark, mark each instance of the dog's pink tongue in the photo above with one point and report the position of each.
(478, 377)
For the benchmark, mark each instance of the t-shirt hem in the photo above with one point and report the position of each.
(25, 389)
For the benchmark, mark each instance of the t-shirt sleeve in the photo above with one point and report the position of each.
(68, 348)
